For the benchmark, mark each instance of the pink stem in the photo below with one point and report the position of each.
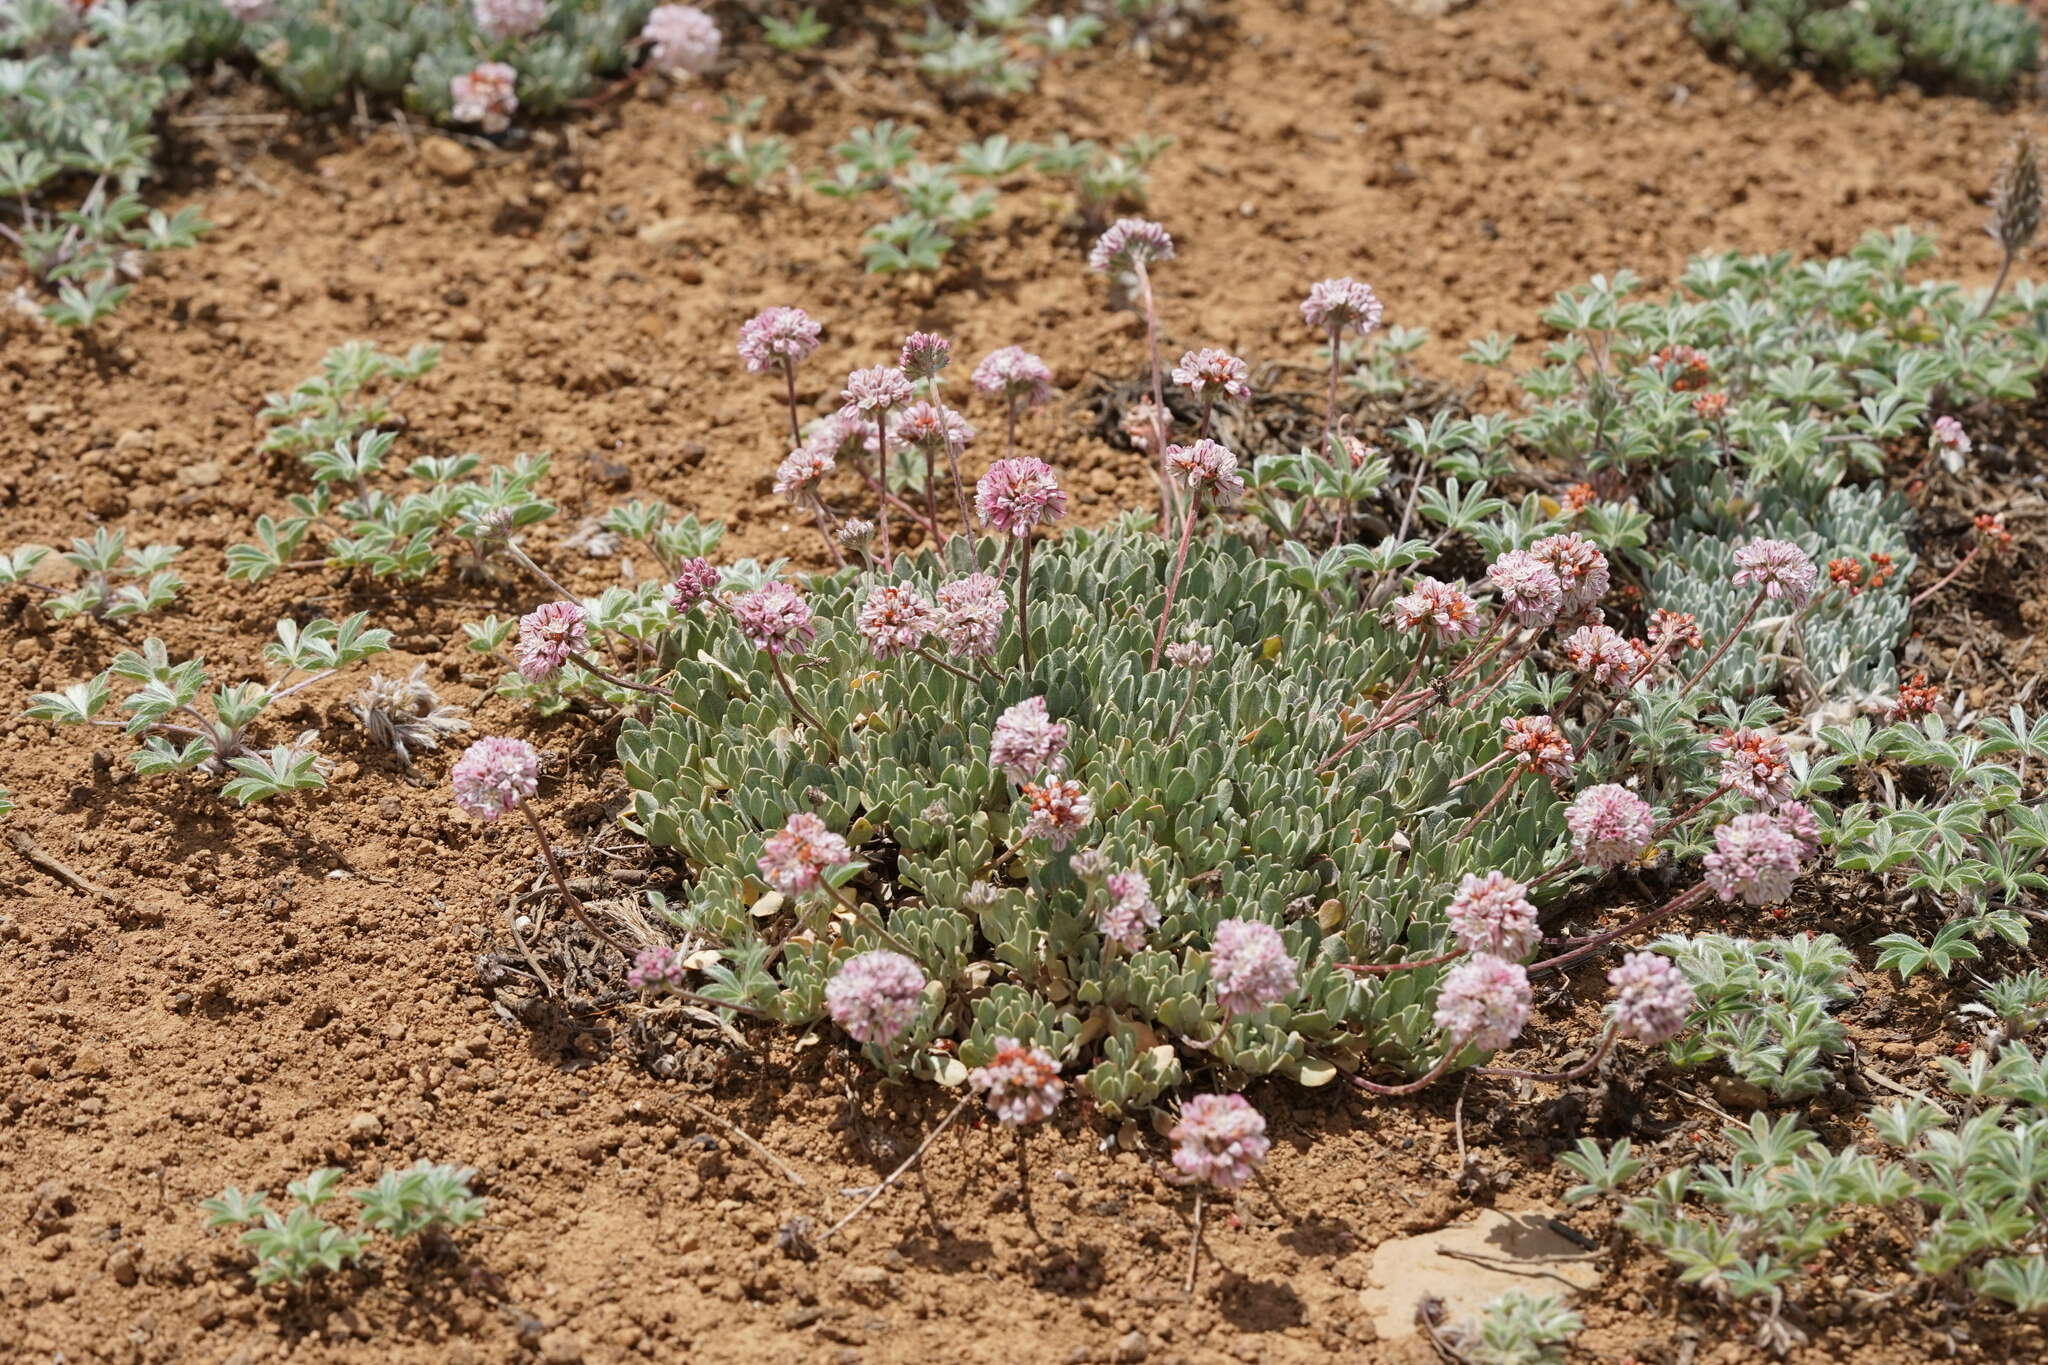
(1642, 921)
(1741, 622)
(1180, 559)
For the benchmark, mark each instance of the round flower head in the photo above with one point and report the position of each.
(1952, 442)
(1022, 1084)
(1604, 655)
(1333, 305)
(1538, 745)
(1089, 864)
(1755, 763)
(1777, 568)
(775, 618)
(696, 580)
(656, 970)
(1448, 614)
(1651, 998)
(1219, 1141)
(498, 20)
(932, 428)
(777, 336)
(1528, 588)
(857, 533)
(1060, 809)
(1130, 914)
(1610, 825)
(971, 615)
(680, 38)
(1017, 495)
(548, 635)
(1026, 743)
(895, 619)
(801, 469)
(924, 355)
(1211, 373)
(1492, 917)
(494, 776)
(795, 857)
(1673, 631)
(1014, 374)
(1129, 243)
(1205, 465)
(1190, 654)
(1797, 819)
(875, 390)
(1250, 965)
(1755, 859)
(1581, 569)
(874, 996)
(485, 96)
(1485, 1002)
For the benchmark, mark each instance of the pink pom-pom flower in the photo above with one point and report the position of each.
(1130, 914)
(1207, 467)
(1250, 966)
(970, 614)
(1014, 374)
(696, 580)
(1756, 763)
(494, 776)
(1059, 809)
(1492, 917)
(681, 38)
(656, 970)
(895, 619)
(548, 635)
(795, 858)
(1485, 1002)
(1610, 825)
(924, 355)
(1528, 588)
(1446, 613)
(1335, 304)
(1219, 1141)
(1778, 569)
(777, 336)
(1538, 745)
(1652, 998)
(874, 996)
(776, 618)
(1210, 373)
(876, 389)
(498, 20)
(1027, 743)
(1017, 495)
(485, 96)
(1581, 569)
(1604, 655)
(1022, 1084)
(1129, 243)
(1754, 859)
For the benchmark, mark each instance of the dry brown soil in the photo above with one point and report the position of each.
(255, 992)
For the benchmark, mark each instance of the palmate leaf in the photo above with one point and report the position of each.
(262, 776)
(2021, 1281)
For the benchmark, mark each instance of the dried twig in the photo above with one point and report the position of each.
(31, 850)
(878, 1191)
(746, 1140)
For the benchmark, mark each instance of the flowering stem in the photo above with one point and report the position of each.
(2004, 269)
(1481, 691)
(1010, 427)
(1949, 577)
(825, 530)
(1499, 794)
(796, 426)
(1195, 1245)
(908, 509)
(1160, 427)
(1483, 769)
(589, 666)
(1208, 403)
(576, 906)
(521, 558)
(900, 1171)
(1330, 408)
(1587, 947)
(802, 712)
(1579, 1072)
(931, 658)
(1180, 560)
(1378, 968)
(882, 479)
(1024, 595)
(931, 491)
(874, 922)
(959, 488)
(1741, 623)
(1420, 1083)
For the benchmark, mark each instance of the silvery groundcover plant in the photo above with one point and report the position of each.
(1482, 744)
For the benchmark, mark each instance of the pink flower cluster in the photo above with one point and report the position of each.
(1755, 859)
(777, 336)
(1219, 1141)
(874, 390)
(1581, 569)
(696, 580)
(932, 429)
(1335, 304)
(1755, 763)
(656, 970)
(1027, 743)
(1190, 654)
(1652, 998)
(1776, 568)
(1059, 808)
(1017, 495)
(1129, 243)
(1492, 917)
(1605, 655)
(1250, 966)
(1014, 374)
(680, 38)
(498, 20)
(1208, 467)
(800, 470)
(776, 618)
(1538, 745)
(1950, 436)
(1130, 914)
(1528, 588)
(1610, 825)
(1208, 369)
(971, 615)
(795, 857)
(894, 620)
(1484, 1002)
(1022, 1084)
(548, 635)
(485, 96)
(1673, 631)
(1448, 614)
(874, 996)
(494, 776)
(924, 355)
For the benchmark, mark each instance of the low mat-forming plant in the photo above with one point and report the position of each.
(1982, 47)
(422, 1203)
